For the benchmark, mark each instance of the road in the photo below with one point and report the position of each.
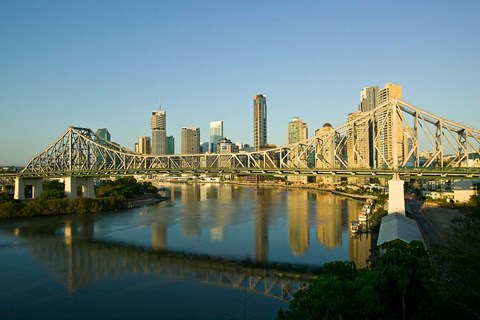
(435, 222)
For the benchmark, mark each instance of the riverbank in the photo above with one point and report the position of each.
(75, 206)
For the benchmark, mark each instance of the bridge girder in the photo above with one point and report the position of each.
(388, 137)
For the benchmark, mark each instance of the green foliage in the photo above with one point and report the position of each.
(53, 185)
(458, 264)
(52, 194)
(126, 187)
(10, 209)
(398, 286)
(5, 197)
(340, 292)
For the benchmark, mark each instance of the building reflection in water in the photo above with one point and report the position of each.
(298, 232)
(264, 205)
(189, 210)
(329, 220)
(221, 210)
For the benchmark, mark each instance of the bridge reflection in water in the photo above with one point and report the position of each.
(77, 261)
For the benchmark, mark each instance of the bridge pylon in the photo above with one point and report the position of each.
(396, 198)
(87, 184)
(22, 183)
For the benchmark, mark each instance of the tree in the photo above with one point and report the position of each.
(399, 286)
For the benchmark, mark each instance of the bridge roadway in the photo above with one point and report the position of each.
(404, 173)
(78, 263)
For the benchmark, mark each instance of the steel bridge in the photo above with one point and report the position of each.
(380, 142)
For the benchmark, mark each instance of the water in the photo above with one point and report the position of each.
(173, 260)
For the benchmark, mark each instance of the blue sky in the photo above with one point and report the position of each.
(109, 63)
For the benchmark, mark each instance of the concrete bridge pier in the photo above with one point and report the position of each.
(21, 184)
(396, 198)
(71, 184)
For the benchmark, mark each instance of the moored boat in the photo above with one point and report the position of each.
(354, 226)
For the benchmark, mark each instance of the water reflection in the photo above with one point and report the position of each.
(329, 219)
(220, 222)
(298, 233)
(80, 259)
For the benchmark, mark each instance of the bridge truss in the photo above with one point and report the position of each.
(378, 142)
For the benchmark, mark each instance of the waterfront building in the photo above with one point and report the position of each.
(297, 131)
(216, 134)
(226, 146)
(190, 140)
(326, 152)
(158, 121)
(259, 121)
(359, 145)
(390, 143)
(389, 91)
(368, 99)
(170, 145)
(143, 145)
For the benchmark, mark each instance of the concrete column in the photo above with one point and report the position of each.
(37, 185)
(19, 189)
(70, 187)
(21, 183)
(71, 184)
(88, 187)
(396, 198)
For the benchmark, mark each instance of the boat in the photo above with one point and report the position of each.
(354, 227)
(362, 218)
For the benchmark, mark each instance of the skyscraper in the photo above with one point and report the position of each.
(190, 140)
(368, 98)
(216, 134)
(359, 145)
(389, 91)
(170, 145)
(389, 143)
(297, 130)
(326, 152)
(144, 146)
(259, 121)
(159, 134)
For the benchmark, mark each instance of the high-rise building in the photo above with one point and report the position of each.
(359, 145)
(390, 143)
(144, 146)
(368, 99)
(297, 130)
(190, 140)
(216, 134)
(170, 145)
(259, 121)
(389, 91)
(159, 133)
(326, 152)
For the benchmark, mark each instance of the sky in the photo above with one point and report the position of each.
(109, 63)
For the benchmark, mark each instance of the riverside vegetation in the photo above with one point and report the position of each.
(110, 196)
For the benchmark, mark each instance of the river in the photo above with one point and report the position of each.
(175, 259)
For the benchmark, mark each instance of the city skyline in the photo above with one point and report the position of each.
(104, 65)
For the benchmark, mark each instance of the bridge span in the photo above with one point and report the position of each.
(383, 142)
